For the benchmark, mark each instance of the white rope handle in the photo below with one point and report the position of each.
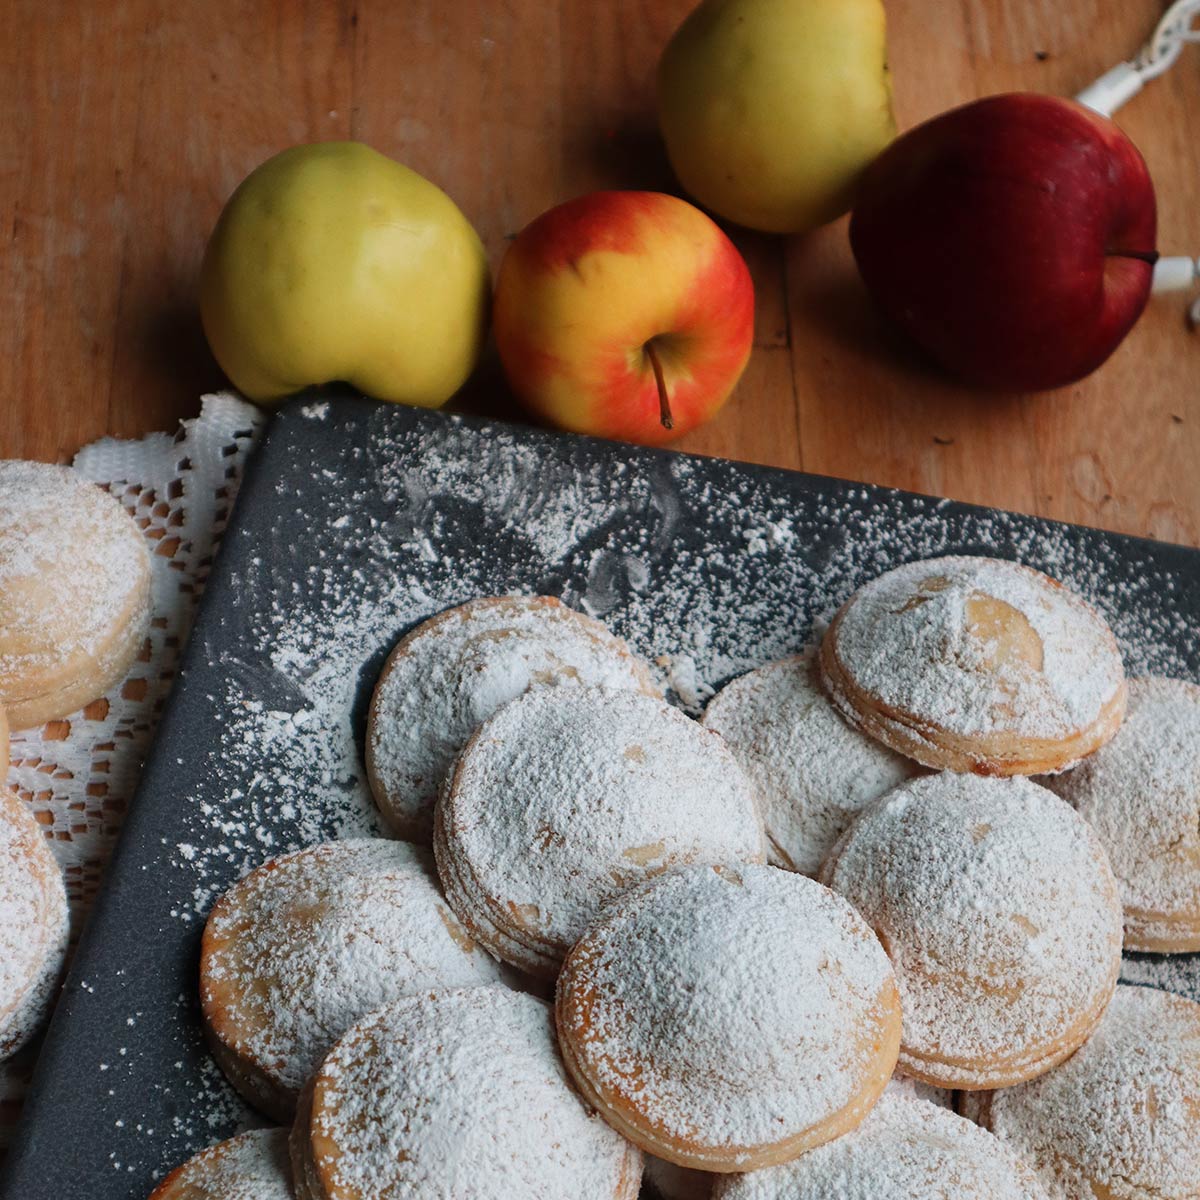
(1179, 26)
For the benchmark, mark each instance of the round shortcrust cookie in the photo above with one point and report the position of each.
(729, 1018)
(565, 798)
(999, 910)
(477, 1104)
(74, 592)
(455, 670)
(34, 924)
(305, 945)
(976, 664)
(812, 771)
(1141, 794)
(251, 1166)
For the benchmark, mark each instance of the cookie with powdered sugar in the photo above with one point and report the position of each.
(74, 592)
(34, 924)
(308, 943)
(456, 669)
(976, 664)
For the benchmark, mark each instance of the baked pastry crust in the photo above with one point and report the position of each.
(1120, 1119)
(251, 1166)
(564, 799)
(34, 924)
(905, 1148)
(455, 670)
(307, 944)
(811, 769)
(976, 664)
(478, 1106)
(74, 592)
(1141, 794)
(1000, 912)
(726, 1019)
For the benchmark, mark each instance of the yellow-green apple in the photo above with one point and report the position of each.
(624, 314)
(771, 109)
(1013, 239)
(332, 262)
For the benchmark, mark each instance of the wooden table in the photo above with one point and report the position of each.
(127, 125)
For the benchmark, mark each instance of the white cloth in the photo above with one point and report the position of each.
(80, 774)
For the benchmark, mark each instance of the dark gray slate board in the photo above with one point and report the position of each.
(358, 520)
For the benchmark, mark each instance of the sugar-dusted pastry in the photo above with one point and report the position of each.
(308, 943)
(811, 770)
(455, 1093)
(33, 924)
(906, 1149)
(566, 797)
(976, 664)
(666, 1181)
(251, 1166)
(999, 910)
(455, 670)
(1120, 1119)
(1141, 794)
(5, 747)
(74, 591)
(729, 1018)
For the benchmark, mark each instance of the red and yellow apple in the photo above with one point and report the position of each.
(1013, 239)
(624, 314)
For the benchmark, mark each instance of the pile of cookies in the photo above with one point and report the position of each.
(74, 613)
(762, 956)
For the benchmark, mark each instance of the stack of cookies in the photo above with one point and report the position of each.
(856, 934)
(74, 613)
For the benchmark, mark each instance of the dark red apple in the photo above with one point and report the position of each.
(1013, 239)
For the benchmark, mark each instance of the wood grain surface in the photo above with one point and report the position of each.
(126, 126)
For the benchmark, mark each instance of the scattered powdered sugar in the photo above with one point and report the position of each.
(812, 771)
(463, 1094)
(918, 639)
(904, 1148)
(74, 570)
(1000, 913)
(562, 800)
(301, 949)
(1141, 793)
(1121, 1117)
(363, 523)
(33, 924)
(728, 1008)
(251, 1166)
(456, 670)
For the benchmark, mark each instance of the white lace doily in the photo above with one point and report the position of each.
(79, 774)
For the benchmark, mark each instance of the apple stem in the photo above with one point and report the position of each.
(664, 403)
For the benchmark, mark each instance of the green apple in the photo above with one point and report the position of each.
(333, 262)
(771, 109)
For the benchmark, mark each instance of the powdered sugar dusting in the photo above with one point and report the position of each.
(728, 1008)
(905, 1148)
(361, 521)
(33, 923)
(564, 799)
(1121, 1117)
(811, 770)
(479, 1102)
(299, 951)
(62, 538)
(999, 911)
(251, 1166)
(456, 670)
(909, 639)
(1141, 793)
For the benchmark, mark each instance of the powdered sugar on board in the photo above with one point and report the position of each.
(357, 522)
